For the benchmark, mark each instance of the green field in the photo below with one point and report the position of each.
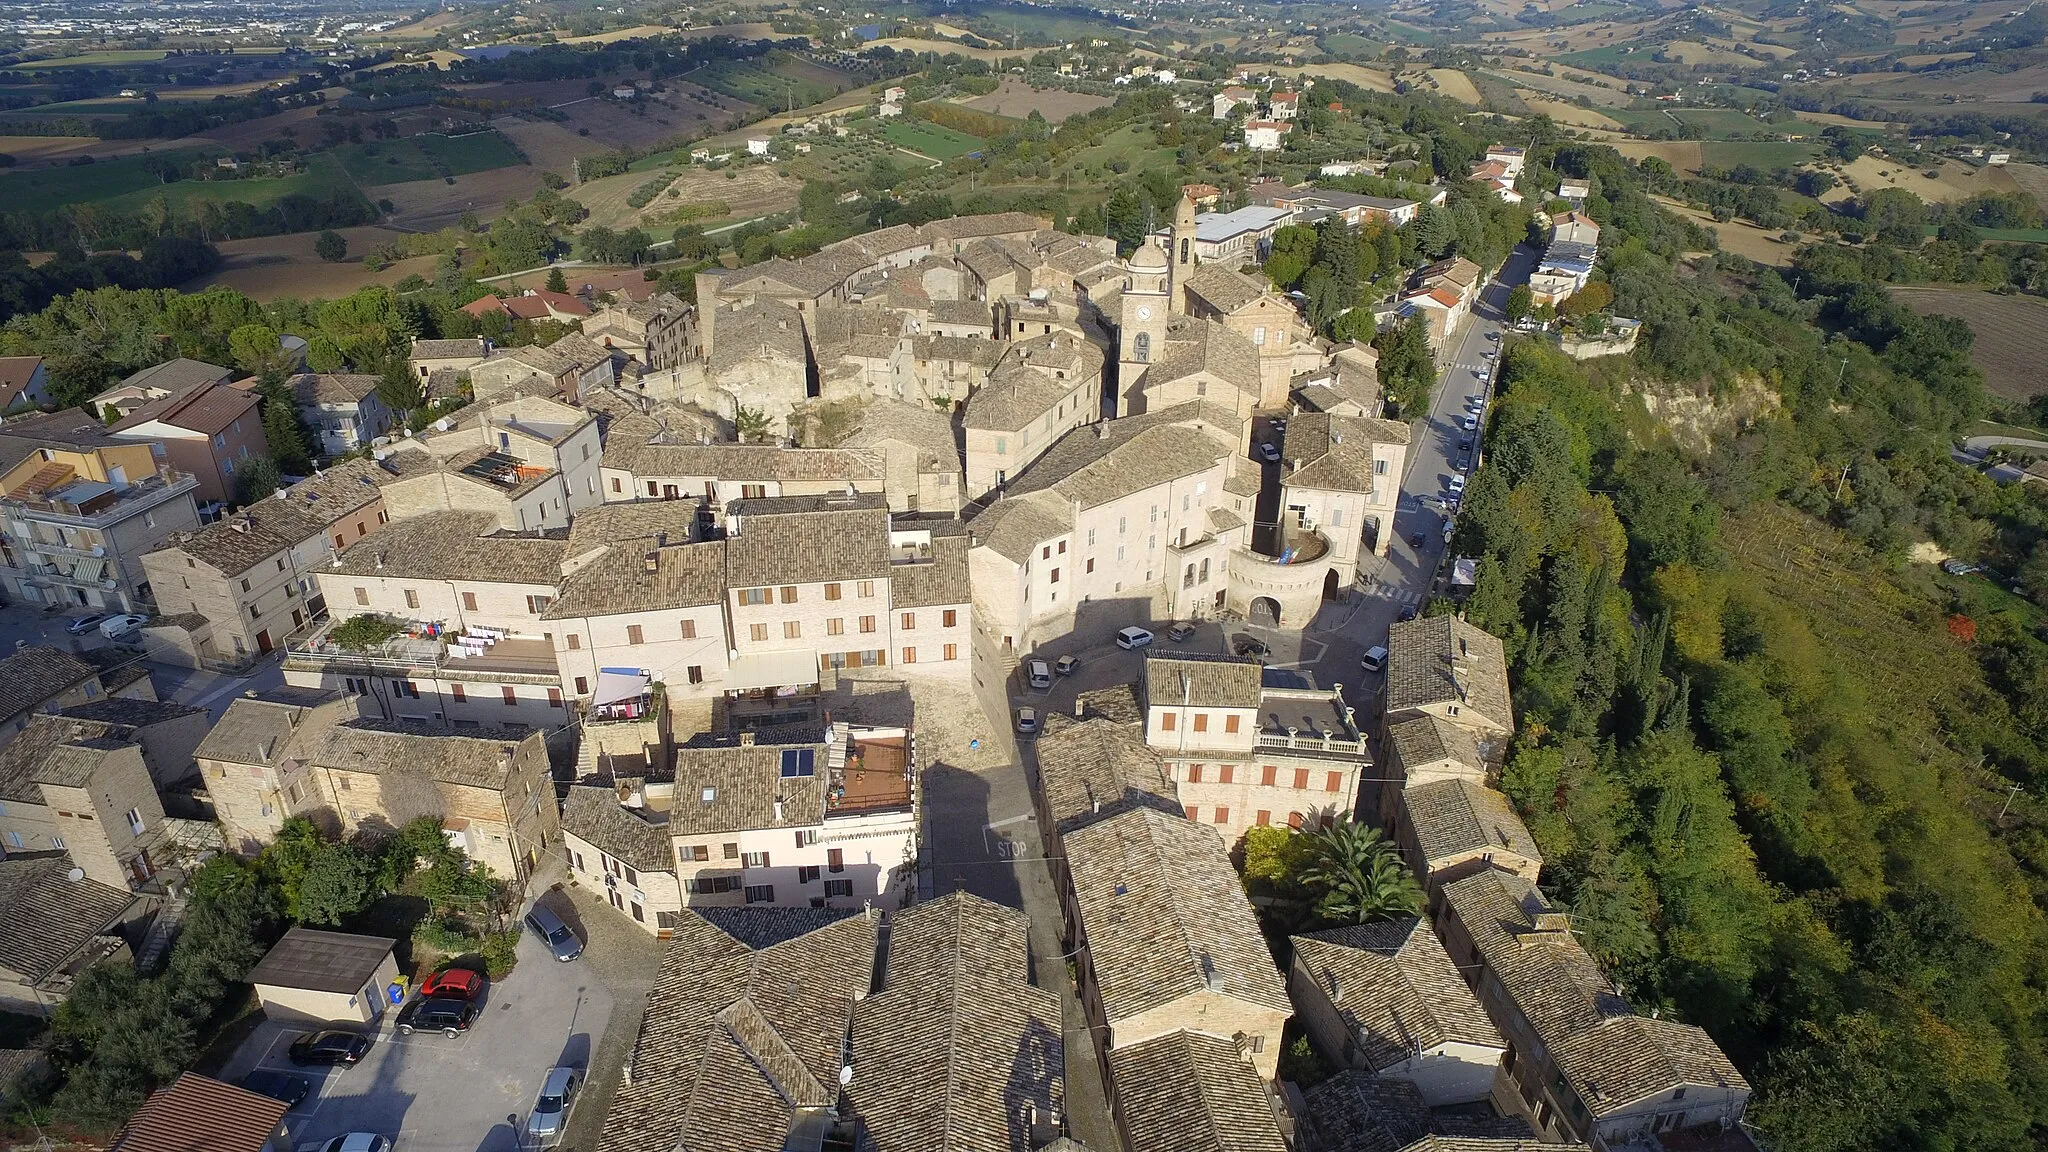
(1132, 144)
(1644, 121)
(773, 81)
(413, 158)
(1350, 44)
(1610, 54)
(930, 139)
(118, 58)
(1764, 154)
(1721, 123)
(323, 177)
(44, 189)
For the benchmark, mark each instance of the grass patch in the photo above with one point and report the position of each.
(474, 152)
(428, 157)
(1646, 121)
(1764, 154)
(47, 189)
(1610, 54)
(1131, 144)
(2015, 235)
(117, 57)
(323, 177)
(385, 162)
(1722, 123)
(774, 81)
(1353, 45)
(930, 139)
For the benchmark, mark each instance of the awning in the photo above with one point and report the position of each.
(616, 684)
(772, 670)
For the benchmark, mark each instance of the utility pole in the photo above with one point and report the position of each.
(2009, 794)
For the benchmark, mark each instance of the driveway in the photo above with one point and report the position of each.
(434, 1094)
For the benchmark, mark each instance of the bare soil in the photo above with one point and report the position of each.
(267, 267)
(751, 191)
(2008, 330)
(1958, 181)
(1568, 113)
(1455, 85)
(1743, 239)
(1016, 98)
(430, 205)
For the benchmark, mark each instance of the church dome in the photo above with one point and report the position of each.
(1148, 258)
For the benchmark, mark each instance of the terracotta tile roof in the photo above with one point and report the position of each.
(1192, 1092)
(941, 582)
(596, 816)
(1015, 395)
(1223, 288)
(46, 918)
(1550, 978)
(1335, 453)
(281, 724)
(195, 1113)
(727, 788)
(806, 540)
(956, 1044)
(1202, 680)
(473, 347)
(1429, 739)
(1459, 817)
(208, 408)
(747, 1020)
(1395, 989)
(1437, 660)
(1165, 915)
(1358, 1111)
(1207, 346)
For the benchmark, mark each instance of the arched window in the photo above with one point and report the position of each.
(1185, 253)
(1141, 347)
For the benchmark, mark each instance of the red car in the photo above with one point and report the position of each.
(455, 983)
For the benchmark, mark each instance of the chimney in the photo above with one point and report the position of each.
(380, 558)
(746, 739)
(652, 561)
(1080, 709)
(778, 810)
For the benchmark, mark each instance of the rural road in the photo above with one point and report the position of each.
(1978, 445)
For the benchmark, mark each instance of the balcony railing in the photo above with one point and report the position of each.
(104, 506)
(54, 575)
(56, 548)
(428, 647)
(1336, 743)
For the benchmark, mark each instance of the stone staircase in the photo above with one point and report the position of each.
(163, 932)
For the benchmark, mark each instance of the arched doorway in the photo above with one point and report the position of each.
(1265, 612)
(1330, 589)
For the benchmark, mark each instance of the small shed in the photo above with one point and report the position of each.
(327, 977)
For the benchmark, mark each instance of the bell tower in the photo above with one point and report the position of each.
(1183, 251)
(1141, 320)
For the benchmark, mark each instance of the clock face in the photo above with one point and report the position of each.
(1144, 313)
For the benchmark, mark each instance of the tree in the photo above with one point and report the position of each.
(1124, 220)
(291, 442)
(330, 246)
(1586, 301)
(258, 477)
(1520, 300)
(399, 388)
(1293, 250)
(1407, 371)
(1358, 876)
(255, 346)
(752, 425)
(556, 281)
(336, 885)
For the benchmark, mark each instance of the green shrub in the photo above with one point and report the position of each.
(448, 937)
(500, 952)
(362, 633)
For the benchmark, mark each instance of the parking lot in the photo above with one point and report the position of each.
(437, 1094)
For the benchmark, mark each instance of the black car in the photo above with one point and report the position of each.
(1250, 646)
(331, 1047)
(278, 1086)
(1465, 444)
(1418, 539)
(447, 1014)
(1407, 614)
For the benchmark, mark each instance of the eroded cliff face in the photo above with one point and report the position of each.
(1699, 418)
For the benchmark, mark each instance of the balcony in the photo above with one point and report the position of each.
(58, 548)
(71, 500)
(51, 574)
(429, 647)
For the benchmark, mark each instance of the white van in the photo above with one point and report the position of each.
(1038, 673)
(1133, 638)
(1375, 659)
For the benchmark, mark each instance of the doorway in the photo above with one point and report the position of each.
(1265, 612)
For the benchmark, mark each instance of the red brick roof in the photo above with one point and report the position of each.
(200, 1114)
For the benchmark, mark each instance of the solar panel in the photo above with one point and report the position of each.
(799, 762)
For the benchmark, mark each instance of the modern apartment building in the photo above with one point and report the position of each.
(81, 509)
(212, 431)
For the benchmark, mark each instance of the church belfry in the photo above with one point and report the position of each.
(1183, 251)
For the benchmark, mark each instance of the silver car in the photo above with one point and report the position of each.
(551, 1107)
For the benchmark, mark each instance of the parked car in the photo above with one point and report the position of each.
(1133, 638)
(115, 627)
(1180, 631)
(1066, 665)
(551, 1107)
(1417, 539)
(1375, 659)
(1407, 614)
(278, 1086)
(444, 1014)
(1269, 453)
(1468, 424)
(84, 624)
(1027, 721)
(454, 983)
(1038, 673)
(1458, 482)
(1249, 645)
(358, 1142)
(332, 1047)
(560, 941)
(1465, 444)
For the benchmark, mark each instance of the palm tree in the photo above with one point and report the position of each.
(1359, 877)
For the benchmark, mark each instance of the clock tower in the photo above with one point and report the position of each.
(1141, 323)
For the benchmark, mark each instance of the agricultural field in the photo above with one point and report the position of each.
(932, 140)
(36, 151)
(2008, 331)
(1721, 123)
(1611, 53)
(778, 80)
(944, 48)
(1349, 44)
(616, 34)
(1136, 149)
(1017, 99)
(1684, 155)
(1766, 154)
(425, 157)
(1569, 88)
(1370, 79)
(752, 190)
(1739, 237)
(1454, 85)
(267, 267)
(45, 189)
(322, 177)
(1955, 180)
(1571, 114)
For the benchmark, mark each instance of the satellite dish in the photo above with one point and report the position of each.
(75, 875)
(845, 1075)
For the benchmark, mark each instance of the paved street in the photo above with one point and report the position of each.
(213, 691)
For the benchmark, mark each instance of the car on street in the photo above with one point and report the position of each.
(455, 983)
(1133, 638)
(278, 1086)
(1180, 631)
(1457, 481)
(1465, 444)
(1038, 673)
(1248, 645)
(115, 627)
(1468, 424)
(1417, 539)
(357, 1142)
(551, 1107)
(553, 933)
(331, 1047)
(1407, 614)
(1066, 665)
(1027, 721)
(1494, 335)
(1269, 453)
(84, 624)
(444, 1014)
(1492, 352)
(1375, 658)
